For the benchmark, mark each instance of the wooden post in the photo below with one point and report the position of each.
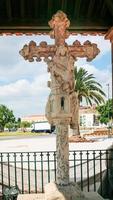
(109, 36)
(112, 75)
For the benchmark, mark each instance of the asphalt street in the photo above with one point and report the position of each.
(45, 143)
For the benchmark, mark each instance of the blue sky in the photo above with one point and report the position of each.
(23, 85)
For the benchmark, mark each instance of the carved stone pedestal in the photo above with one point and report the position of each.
(62, 192)
(31, 197)
(56, 192)
(68, 192)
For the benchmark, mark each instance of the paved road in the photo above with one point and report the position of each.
(42, 143)
(45, 143)
(24, 137)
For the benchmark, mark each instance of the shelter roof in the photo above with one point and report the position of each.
(32, 16)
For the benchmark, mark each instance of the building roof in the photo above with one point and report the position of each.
(36, 118)
(32, 16)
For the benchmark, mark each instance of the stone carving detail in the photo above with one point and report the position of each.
(59, 23)
(61, 105)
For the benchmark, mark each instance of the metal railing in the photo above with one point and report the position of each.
(32, 170)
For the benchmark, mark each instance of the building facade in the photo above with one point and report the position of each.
(88, 117)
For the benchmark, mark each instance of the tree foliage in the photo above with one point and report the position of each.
(105, 111)
(18, 122)
(11, 126)
(6, 116)
(24, 125)
(86, 86)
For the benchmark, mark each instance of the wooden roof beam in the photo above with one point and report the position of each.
(49, 9)
(103, 10)
(64, 5)
(37, 5)
(46, 29)
(90, 8)
(22, 8)
(109, 4)
(77, 8)
(9, 10)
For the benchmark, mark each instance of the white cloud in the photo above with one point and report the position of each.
(23, 85)
(22, 70)
(11, 45)
(25, 97)
(30, 97)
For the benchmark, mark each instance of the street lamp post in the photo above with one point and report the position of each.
(108, 99)
(108, 108)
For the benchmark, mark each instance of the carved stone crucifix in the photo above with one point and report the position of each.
(61, 105)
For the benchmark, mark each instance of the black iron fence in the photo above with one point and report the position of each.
(32, 170)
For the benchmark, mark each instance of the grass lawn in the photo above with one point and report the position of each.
(20, 134)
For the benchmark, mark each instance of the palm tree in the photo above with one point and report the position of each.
(86, 86)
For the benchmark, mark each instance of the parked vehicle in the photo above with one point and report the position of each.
(42, 127)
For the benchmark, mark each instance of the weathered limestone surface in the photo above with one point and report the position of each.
(55, 192)
(61, 108)
(62, 153)
(68, 192)
(63, 192)
(92, 196)
(31, 197)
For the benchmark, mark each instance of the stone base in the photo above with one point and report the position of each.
(88, 196)
(68, 192)
(92, 196)
(56, 192)
(31, 197)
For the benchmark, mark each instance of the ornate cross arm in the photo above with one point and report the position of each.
(88, 50)
(32, 51)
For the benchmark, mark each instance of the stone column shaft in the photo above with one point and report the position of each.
(62, 146)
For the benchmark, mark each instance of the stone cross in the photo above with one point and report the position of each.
(61, 105)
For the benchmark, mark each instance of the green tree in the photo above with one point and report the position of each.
(6, 116)
(88, 88)
(24, 125)
(10, 125)
(18, 122)
(105, 111)
(13, 126)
